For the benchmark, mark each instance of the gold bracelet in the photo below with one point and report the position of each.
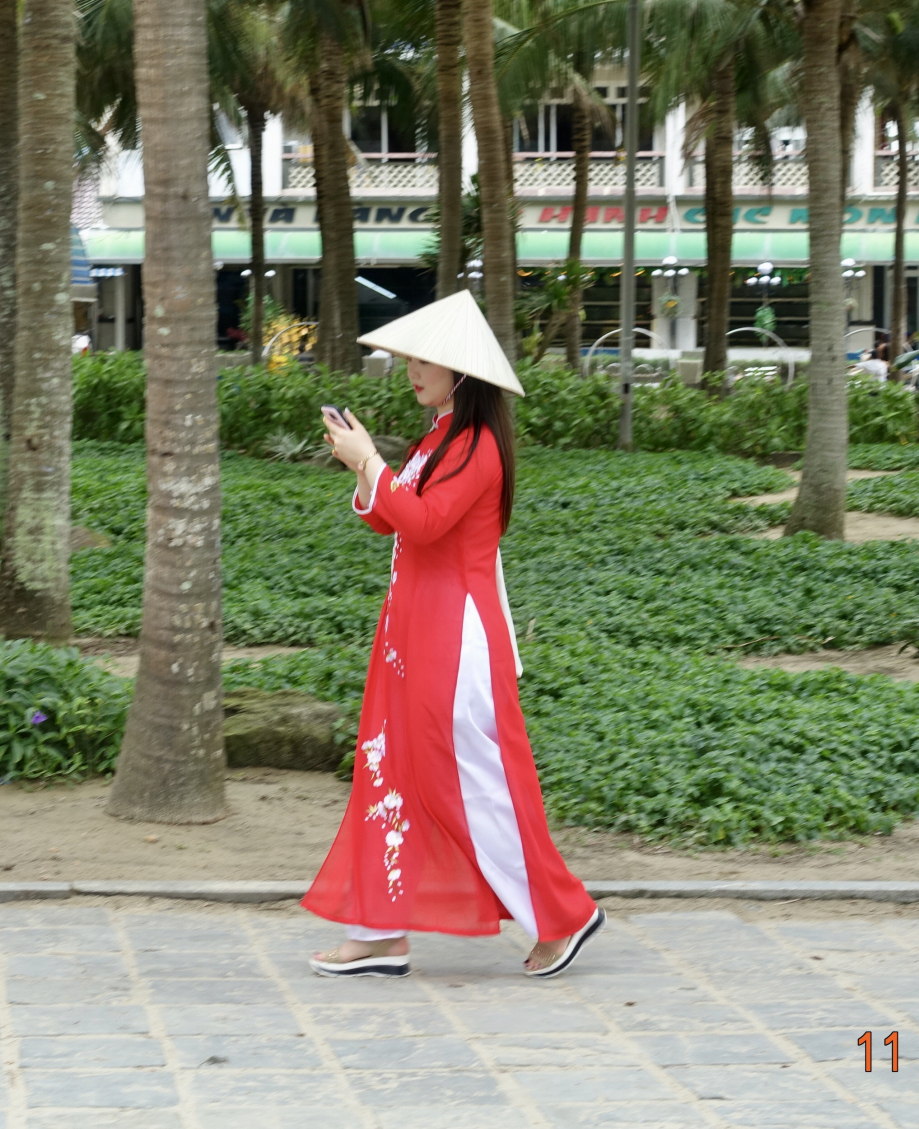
(364, 461)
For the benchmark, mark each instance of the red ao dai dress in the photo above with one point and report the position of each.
(445, 830)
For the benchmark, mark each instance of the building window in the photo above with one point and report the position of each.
(381, 130)
(528, 131)
(401, 131)
(548, 129)
(367, 129)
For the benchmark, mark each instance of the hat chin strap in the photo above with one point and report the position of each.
(453, 391)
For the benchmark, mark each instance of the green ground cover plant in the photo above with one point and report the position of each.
(884, 456)
(60, 715)
(648, 548)
(689, 748)
(633, 583)
(893, 494)
(698, 750)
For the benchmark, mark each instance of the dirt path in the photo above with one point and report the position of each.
(860, 527)
(281, 824)
(872, 660)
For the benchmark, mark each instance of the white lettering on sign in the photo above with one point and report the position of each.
(296, 215)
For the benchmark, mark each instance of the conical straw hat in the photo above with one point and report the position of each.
(452, 332)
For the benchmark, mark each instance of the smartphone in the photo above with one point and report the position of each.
(337, 415)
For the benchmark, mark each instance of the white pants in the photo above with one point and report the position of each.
(360, 933)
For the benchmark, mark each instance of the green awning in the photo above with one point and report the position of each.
(110, 245)
(401, 246)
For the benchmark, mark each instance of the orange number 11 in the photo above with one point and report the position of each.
(892, 1041)
(865, 1041)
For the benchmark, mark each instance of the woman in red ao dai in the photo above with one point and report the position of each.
(445, 830)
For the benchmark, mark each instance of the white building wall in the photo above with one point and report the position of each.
(862, 171)
(272, 156)
(675, 173)
(470, 145)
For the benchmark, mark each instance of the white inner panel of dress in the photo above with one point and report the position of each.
(489, 808)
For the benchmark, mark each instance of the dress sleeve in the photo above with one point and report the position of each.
(376, 523)
(427, 517)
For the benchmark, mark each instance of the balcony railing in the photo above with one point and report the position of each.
(886, 174)
(535, 171)
(412, 174)
(789, 173)
(395, 174)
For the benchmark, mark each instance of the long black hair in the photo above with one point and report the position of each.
(477, 405)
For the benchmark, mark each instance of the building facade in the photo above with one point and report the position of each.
(394, 188)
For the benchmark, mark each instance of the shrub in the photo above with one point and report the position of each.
(108, 397)
(60, 715)
(257, 403)
(759, 417)
(561, 409)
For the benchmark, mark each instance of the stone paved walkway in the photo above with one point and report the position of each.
(151, 1016)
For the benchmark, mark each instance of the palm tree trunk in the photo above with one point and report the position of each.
(820, 504)
(898, 311)
(719, 217)
(851, 83)
(328, 331)
(553, 322)
(344, 352)
(255, 116)
(581, 129)
(513, 211)
(34, 564)
(172, 762)
(489, 132)
(9, 200)
(449, 34)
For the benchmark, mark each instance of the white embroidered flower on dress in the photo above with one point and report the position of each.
(388, 810)
(411, 472)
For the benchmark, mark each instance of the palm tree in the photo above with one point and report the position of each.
(9, 197)
(820, 504)
(494, 175)
(338, 322)
(35, 555)
(851, 65)
(171, 766)
(719, 213)
(250, 73)
(721, 56)
(892, 50)
(449, 40)
(329, 41)
(560, 50)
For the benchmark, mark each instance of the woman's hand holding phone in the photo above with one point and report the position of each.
(337, 414)
(349, 439)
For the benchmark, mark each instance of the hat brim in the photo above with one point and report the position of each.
(451, 332)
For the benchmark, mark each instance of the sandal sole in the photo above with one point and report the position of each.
(568, 957)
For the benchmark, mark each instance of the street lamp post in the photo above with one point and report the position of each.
(848, 274)
(669, 306)
(765, 282)
(627, 278)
